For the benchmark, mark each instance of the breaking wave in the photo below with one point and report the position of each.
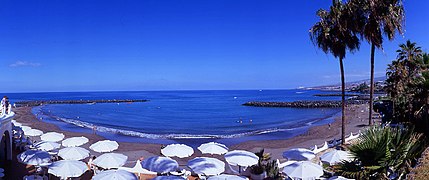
(99, 128)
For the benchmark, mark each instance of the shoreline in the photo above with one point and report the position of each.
(356, 120)
(316, 135)
(194, 140)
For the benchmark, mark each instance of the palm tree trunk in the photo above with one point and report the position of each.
(343, 104)
(371, 88)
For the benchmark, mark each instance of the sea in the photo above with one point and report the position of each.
(190, 117)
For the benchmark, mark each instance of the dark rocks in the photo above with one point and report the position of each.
(38, 103)
(303, 104)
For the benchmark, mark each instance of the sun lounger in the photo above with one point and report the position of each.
(318, 150)
(282, 165)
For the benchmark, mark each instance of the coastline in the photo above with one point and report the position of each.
(356, 119)
(132, 150)
(316, 135)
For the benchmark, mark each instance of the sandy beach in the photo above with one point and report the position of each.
(356, 120)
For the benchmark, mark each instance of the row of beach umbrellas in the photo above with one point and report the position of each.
(201, 165)
(50, 139)
(71, 166)
(182, 150)
(331, 157)
(72, 153)
(74, 168)
(301, 167)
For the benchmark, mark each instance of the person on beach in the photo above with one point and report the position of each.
(94, 129)
(90, 164)
(240, 120)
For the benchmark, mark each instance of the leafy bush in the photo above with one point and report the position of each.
(383, 151)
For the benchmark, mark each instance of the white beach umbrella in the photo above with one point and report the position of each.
(299, 154)
(33, 132)
(303, 170)
(213, 148)
(137, 169)
(34, 157)
(206, 166)
(104, 146)
(160, 164)
(52, 136)
(74, 141)
(25, 128)
(241, 158)
(46, 146)
(228, 177)
(73, 153)
(335, 156)
(179, 150)
(110, 160)
(67, 168)
(115, 174)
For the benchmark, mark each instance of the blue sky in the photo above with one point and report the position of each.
(103, 45)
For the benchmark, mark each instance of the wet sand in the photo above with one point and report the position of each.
(357, 119)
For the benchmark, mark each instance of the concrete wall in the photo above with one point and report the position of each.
(6, 132)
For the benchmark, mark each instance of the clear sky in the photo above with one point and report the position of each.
(103, 45)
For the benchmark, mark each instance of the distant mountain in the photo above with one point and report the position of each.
(376, 79)
(349, 85)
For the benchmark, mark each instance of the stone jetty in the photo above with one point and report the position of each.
(44, 102)
(303, 104)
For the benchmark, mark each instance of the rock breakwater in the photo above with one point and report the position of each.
(44, 102)
(303, 104)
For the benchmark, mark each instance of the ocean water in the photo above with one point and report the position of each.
(184, 116)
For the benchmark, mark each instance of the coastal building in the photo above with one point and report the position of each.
(6, 140)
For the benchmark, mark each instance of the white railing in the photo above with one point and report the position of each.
(5, 111)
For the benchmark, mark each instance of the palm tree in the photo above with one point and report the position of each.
(382, 17)
(408, 86)
(410, 57)
(396, 87)
(333, 34)
(409, 52)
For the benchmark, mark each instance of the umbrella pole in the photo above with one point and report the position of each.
(239, 169)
